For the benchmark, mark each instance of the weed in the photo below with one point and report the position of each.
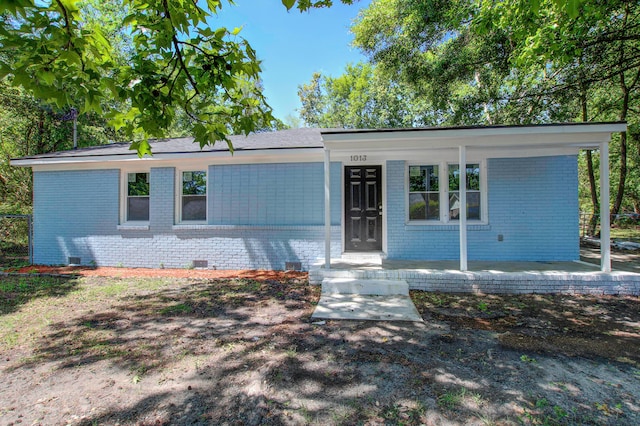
(139, 372)
(391, 413)
(526, 358)
(278, 376)
(292, 351)
(451, 399)
(306, 415)
(559, 412)
(542, 403)
(483, 307)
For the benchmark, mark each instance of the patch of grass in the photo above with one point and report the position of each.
(178, 309)
(452, 399)
(15, 291)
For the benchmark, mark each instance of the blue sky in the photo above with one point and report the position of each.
(293, 45)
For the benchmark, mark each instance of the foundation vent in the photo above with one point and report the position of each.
(200, 264)
(293, 266)
(74, 261)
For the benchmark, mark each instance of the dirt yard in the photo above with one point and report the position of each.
(221, 350)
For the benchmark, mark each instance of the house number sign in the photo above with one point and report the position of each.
(359, 157)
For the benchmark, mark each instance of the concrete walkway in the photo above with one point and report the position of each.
(366, 307)
(372, 300)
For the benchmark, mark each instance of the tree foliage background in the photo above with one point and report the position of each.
(140, 69)
(135, 69)
(474, 62)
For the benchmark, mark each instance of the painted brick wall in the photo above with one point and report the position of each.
(70, 206)
(162, 198)
(532, 202)
(77, 214)
(272, 194)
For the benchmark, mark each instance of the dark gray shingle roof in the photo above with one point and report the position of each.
(291, 138)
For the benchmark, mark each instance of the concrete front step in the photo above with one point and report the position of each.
(364, 286)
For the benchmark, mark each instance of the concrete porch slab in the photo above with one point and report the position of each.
(365, 287)
(366, 307)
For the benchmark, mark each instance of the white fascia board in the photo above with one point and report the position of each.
(586, 135)
(175, 159)
(451, 154)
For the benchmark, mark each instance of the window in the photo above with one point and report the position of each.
(137, 206)
(193, 203)
(434, 193)
(473, 192)
(424, 193)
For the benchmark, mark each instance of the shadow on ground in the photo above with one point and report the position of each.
(246, 352)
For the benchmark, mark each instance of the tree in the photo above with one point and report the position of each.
(361, 98)
(176, 65)
(515, 62)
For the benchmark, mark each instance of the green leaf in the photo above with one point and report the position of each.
(288, 3)
(142, 147)
(573, 8)
(47, 77)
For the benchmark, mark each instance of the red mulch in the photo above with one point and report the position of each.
(158, 273)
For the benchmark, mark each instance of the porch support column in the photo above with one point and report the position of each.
(462, 162)
(327, 209)
(605, 234)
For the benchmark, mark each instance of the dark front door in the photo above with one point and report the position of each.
(363, 208)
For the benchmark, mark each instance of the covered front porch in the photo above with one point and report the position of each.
(576, 277)
(495, 230)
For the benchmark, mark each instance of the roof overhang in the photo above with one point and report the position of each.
(575, 135)
(223, 156)
(499, 140)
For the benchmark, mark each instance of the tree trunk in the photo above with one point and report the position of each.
(593, 222)
(623, 148)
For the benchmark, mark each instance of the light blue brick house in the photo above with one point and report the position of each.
(291, 198)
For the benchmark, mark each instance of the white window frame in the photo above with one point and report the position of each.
(443, 185)
(178, 202)
(124, 197)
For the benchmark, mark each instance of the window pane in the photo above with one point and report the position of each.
(194, 207)
(424, 206)
(138, 184)
(423, 178)
(454, 205)
(138, 208)
(417, 206)
(454, 177)
(194, 183)
(473, 205)
(473, 177)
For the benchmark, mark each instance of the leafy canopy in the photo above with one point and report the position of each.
(174, 66)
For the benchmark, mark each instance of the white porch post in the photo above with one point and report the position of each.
(327, 209)
(605, 234)
(463, 206)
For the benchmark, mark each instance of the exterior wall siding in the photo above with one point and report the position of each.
(263, 215)
(77, 214)
(532, 204)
